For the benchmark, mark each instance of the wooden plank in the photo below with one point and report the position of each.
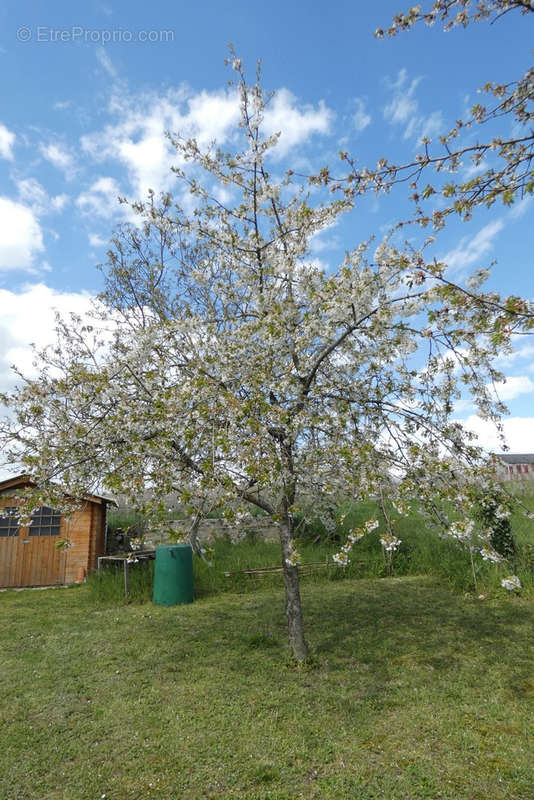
(260, 571)
(100, 548)
(92, 533)
(8, 559)
(8, 553)
(78, 532)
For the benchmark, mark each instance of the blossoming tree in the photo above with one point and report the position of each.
(225, 365)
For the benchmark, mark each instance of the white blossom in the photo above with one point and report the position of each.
(491, 555)
(371, 525)
(390, 543)
(512, 583)
(502, 513)
(293, 558)
(462, 530)
(341, 558)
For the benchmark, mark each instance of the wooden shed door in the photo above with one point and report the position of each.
(9, 546)
(31, 558)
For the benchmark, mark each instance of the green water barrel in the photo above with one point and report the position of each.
(173, 575)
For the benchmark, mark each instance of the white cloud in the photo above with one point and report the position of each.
(360, 118)
(472, 170)
(325, 239)
(472, 250)
(514, 386)
(296, 125)
(100, 198)
(105, 62)
(525, 351)
(20, 235)
(518, 432)
(59, 201)
(149, 162)
(210, 116)
(7, 140)
(403, 109)
(59, 157)
(521, 207)
(28, 316)
(95, 240)
(426, 127)
(32, 194)
(138, 140)
(403, 106)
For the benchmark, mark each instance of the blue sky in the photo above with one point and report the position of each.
(87, 94)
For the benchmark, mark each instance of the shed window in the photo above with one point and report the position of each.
(45, 522)
(9, 521)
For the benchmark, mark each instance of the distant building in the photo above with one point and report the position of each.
(516, 466)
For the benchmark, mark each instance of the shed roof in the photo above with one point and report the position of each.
(516, 458)
(21, 481)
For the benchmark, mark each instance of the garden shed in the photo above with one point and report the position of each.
(29, 555)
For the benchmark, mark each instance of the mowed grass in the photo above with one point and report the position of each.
(414, 692)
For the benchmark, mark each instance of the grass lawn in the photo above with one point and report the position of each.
(415, 693)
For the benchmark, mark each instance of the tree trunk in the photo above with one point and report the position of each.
(295, 626)
(193, 537)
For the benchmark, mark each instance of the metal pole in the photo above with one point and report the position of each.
(126, 578)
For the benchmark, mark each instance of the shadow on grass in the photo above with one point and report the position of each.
(383, 626)
(372, 620)
(395, 614)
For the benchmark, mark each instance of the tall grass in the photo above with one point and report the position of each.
(106, 586)
(422, 552)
